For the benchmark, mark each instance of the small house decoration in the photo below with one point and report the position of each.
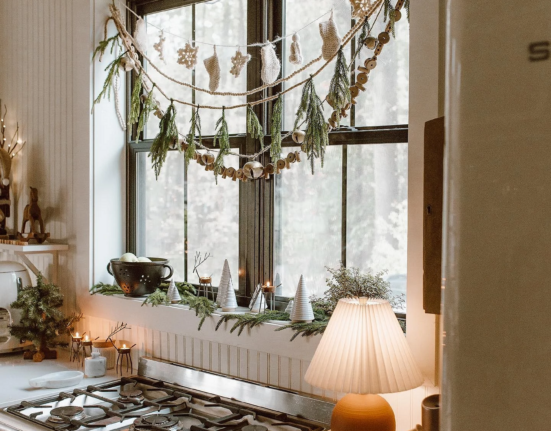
(173, 294)
(33, 215)
(302, 309)
(225, 283)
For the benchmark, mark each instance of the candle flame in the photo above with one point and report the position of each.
(87, 338)
(124, 346)
(76, 336)
(268, 284)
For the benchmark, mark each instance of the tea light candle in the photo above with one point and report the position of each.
(268, 288)
(77, 337)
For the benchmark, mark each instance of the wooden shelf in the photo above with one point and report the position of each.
(34, 248)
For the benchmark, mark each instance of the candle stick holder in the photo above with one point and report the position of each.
(205, 287)
(77, 348)
(124, 354)
(269, 294)
(87, 344)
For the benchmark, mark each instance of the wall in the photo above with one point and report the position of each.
(78, 161)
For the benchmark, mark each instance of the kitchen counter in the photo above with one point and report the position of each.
(15, 373)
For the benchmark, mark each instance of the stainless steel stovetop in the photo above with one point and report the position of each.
(166, 396)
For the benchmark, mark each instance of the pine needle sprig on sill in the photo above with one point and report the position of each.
(104, 44)
(277, 119)
(135, 102)
(339, 88)
(106, 289)
(149, 105)
(112, 71)
(165, 139)
(316, 136)
(306, 329)
(194, 130)
(250, 320)
(253, 126)
(203, 307)
(156, 298)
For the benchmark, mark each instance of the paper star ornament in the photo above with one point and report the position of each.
(360, 8)
(188, 55)
(239, 61)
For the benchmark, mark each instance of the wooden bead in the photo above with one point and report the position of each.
(332, 123)
(370, 42)
(208, 159)
(347, 106)
(234, 176)
(269, 169)
(343, 113)
(397, 15)
(287, 163)
(230, 172)
(360, 86)
(399, 4)
(303, 148)
(388, 28)
(384, 37)
(240, 173)
(280, 164)
(370, 64)
(224, 172)
(353, 101)
(354, 91)
(334, 116)
(291, 157)
(363, 69)
(378, 49)
(297, 156)
(362, 78)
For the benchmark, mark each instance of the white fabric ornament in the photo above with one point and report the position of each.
(225, 283)
(360, 8)
(173, 294)
(302, 308)
(238, 62)
(296, 55)
(140, 35)
(160, 45)
(213, 69)
(188, 56)
(331, 38)
(270, 64)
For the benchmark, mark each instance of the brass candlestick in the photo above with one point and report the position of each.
(76, 348)
(124, 354)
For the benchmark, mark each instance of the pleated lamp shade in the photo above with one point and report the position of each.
(363, 351)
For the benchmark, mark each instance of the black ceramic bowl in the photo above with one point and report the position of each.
(139, 278)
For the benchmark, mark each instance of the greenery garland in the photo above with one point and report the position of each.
(104, 44)
(149, 105)
(222, 139)
(339, 88)
(316, 136)
(135, 102)
(113, 70)
(194, 130)
(167, 136)
(277, 120)
(254, 128)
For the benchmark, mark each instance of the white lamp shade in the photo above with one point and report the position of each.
(363, 351)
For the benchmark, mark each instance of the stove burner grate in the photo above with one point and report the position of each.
(62, 415)
(157, 422)
(131, 395)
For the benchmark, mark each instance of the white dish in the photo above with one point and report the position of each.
(61, 379)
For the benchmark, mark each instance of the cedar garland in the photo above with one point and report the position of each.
(104, 44)
(316, 138)
(113, 69)
(194, 130)
(149, 105)
(253, 126)
(222, 139)
(277, 118)
(135, 102)
(168, 135)
(339, 88)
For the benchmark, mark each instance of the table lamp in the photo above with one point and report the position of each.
(363, 352)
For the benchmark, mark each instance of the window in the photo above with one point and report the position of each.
(353, 210)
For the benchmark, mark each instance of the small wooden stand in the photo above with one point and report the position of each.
(205, 287)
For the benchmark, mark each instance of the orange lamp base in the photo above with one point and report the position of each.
(363, 412)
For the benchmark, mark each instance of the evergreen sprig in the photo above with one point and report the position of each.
(135, 102)
(306, 329)
(254, 127)
(277, 119)
(222, 140)
(157, 298)
(316, 138)
(112, 71)
(194, 130)
(149, 105)
(106, 289)
(390, 15)
(364, 34)
(104, 44)
(406, 7)
(168, 134)
(203, 307)
(41, 320)
(339, 88)
(249, 320)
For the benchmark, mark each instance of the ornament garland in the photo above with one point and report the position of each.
(313, 139)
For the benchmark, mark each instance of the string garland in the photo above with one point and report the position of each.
(312, 142)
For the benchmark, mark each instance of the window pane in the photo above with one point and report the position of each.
(307, 217)
(386, 99)
(178, 22)
(376, 234)
(221, 22)
(297, 14)
(212, 216)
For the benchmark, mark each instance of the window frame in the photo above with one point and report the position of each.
(257, 198)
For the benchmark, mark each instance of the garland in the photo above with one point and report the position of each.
(341, 96)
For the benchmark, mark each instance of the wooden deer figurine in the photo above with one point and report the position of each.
(32, 214)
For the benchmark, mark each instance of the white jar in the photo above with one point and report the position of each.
(95, 366)
(108, 353)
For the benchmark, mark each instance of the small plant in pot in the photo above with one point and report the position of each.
(139, 276)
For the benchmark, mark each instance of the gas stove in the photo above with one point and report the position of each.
(166, 396)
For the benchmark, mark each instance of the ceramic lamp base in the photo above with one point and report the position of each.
(363, 412)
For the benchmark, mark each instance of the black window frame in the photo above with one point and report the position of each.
(256, 199)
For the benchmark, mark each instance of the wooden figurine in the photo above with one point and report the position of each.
(33, 214)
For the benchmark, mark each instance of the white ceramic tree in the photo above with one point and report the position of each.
(229, 301)
(259, 304)
(289, 308)
(173, 293)
(225, 283)
(302, 309)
